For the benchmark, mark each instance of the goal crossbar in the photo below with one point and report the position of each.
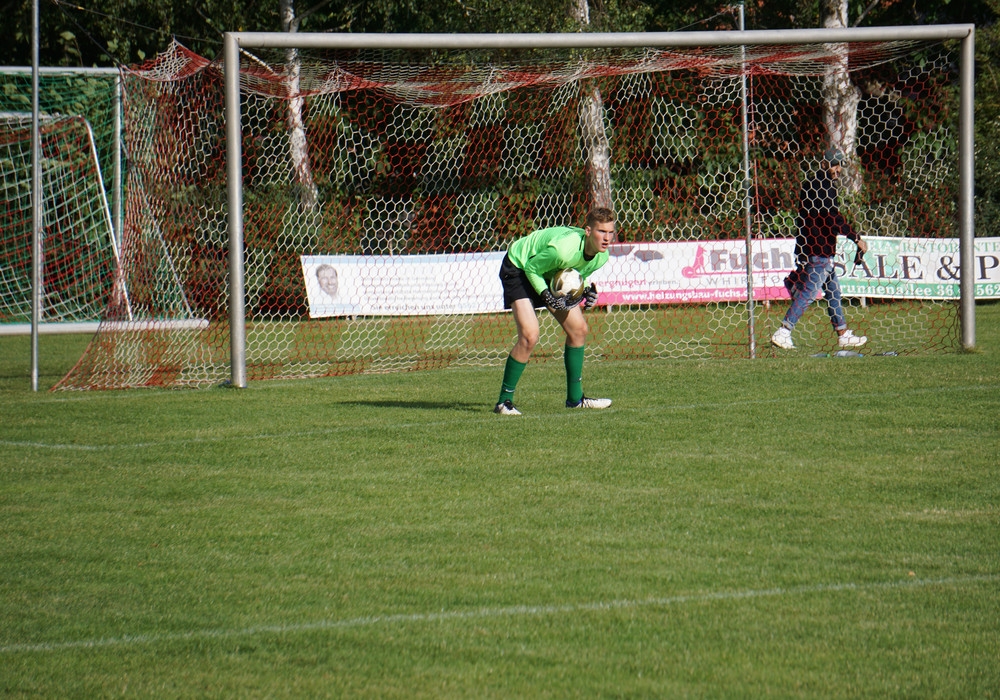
(284, 40)
(237, 41)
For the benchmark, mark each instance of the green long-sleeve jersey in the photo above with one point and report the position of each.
(548, 250)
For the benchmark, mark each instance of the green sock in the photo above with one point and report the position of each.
(573, 357)
(511, 375)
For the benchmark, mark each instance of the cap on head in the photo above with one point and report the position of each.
(833, 156)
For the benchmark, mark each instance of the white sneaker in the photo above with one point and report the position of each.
(506, 408)
(587, 402)
(782, 338)
(849, 340)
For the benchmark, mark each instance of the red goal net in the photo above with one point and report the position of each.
(381, 188)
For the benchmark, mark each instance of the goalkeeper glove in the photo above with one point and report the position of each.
(553, 302)
(590, 296)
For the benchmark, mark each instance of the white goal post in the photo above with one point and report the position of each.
(237, 41)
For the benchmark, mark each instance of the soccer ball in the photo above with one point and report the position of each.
(567, 283)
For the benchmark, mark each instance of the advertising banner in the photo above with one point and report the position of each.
(671, 272)
(917, 268)
(693, 271)
(403, 285)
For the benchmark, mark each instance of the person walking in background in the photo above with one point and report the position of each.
(819, 224)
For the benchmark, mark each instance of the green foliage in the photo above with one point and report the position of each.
(91, 96)
(129, 31)
(73, 35)
(987, 200)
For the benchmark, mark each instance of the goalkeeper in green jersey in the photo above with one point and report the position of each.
(525, 273)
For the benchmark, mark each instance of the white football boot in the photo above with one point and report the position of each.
(587, 402)
(506, 408)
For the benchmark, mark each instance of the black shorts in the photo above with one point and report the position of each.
(516, 285)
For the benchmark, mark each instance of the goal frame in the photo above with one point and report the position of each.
(37, 326)
(40, 326)
(235, 41)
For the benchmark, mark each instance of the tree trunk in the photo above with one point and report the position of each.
(841, 97)
(579, 10)
(595, 145)
(298, 144)
(595, 139)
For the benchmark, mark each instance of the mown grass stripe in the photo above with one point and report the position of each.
(484, 613)
(486, 417)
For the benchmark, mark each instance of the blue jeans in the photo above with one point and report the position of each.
(817, 274)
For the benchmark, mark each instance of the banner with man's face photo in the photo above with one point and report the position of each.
(402, 285)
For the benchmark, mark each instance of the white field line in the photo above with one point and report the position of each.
(466, 419)
(485, 613)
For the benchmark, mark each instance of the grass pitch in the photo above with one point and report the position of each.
(791, 527)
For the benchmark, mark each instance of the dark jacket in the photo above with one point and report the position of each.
(820, 220)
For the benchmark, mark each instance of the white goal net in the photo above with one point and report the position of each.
(78, 247)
